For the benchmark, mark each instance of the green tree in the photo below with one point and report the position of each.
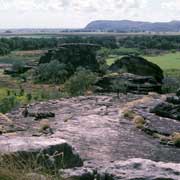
(53, 72)
(80, 82)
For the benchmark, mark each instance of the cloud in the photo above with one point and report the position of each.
(75, 5)
(77, 13)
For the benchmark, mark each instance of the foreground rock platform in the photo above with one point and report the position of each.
(140, 169)
(101, 135)
(94, 126)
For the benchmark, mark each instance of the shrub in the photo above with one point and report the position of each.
(18, 67)
(119, 86)
(7, 103)
(80, 82)
(53, 72)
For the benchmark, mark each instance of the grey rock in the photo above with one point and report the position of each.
(135, 83)
(49, 152)
(128, 170)
(138, 66)
(141, 169)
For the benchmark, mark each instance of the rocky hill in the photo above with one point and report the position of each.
(133, 26)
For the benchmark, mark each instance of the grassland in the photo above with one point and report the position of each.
(165, 61)
(23, 56)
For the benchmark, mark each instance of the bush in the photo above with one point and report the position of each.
(171, 81)
(53, 72)
(119, 86)
(7, 103)
(170, 85)
(18, 67)
(80, 82)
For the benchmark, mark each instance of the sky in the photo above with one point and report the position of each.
(78, 13)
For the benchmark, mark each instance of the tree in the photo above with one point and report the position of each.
(119, 86)
(53, 72)
(80, 82)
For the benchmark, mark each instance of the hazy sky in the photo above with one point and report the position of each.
(77, 13)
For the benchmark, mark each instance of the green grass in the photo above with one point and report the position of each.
(165, 61)
(13, 58)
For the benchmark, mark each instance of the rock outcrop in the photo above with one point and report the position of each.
(138, 66)
(139, 75)
(134, 83)
(48, 152)
(111, 145)
(169, 108)
(74, 55)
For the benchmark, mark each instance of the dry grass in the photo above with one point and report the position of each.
(139, 121)
(15, 168)
(176, 139)
(44, 124)
(128, 113)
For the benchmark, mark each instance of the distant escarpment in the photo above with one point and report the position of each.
(133, 26)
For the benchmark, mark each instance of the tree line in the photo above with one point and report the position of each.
(112, 42)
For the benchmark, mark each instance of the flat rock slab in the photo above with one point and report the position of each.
(49, 150)
(94, 127)
(140, 169)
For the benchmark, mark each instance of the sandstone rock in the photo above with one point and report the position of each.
(48, 152)
(167, 109)
(135, 83)
(97, 131)
(128, 170)
(41, 115)
(173, 100)
(142, 169)
(35, 176)
(138, 66)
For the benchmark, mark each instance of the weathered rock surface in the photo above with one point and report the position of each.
(94, 127)
(105, 140)
(138, 66)
(128, 170)
(135, 83)
(170, 108)
(49, 152)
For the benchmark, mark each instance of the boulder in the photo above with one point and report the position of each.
(48, 152)
(134, 83)
(170, 108)
(138, 66)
